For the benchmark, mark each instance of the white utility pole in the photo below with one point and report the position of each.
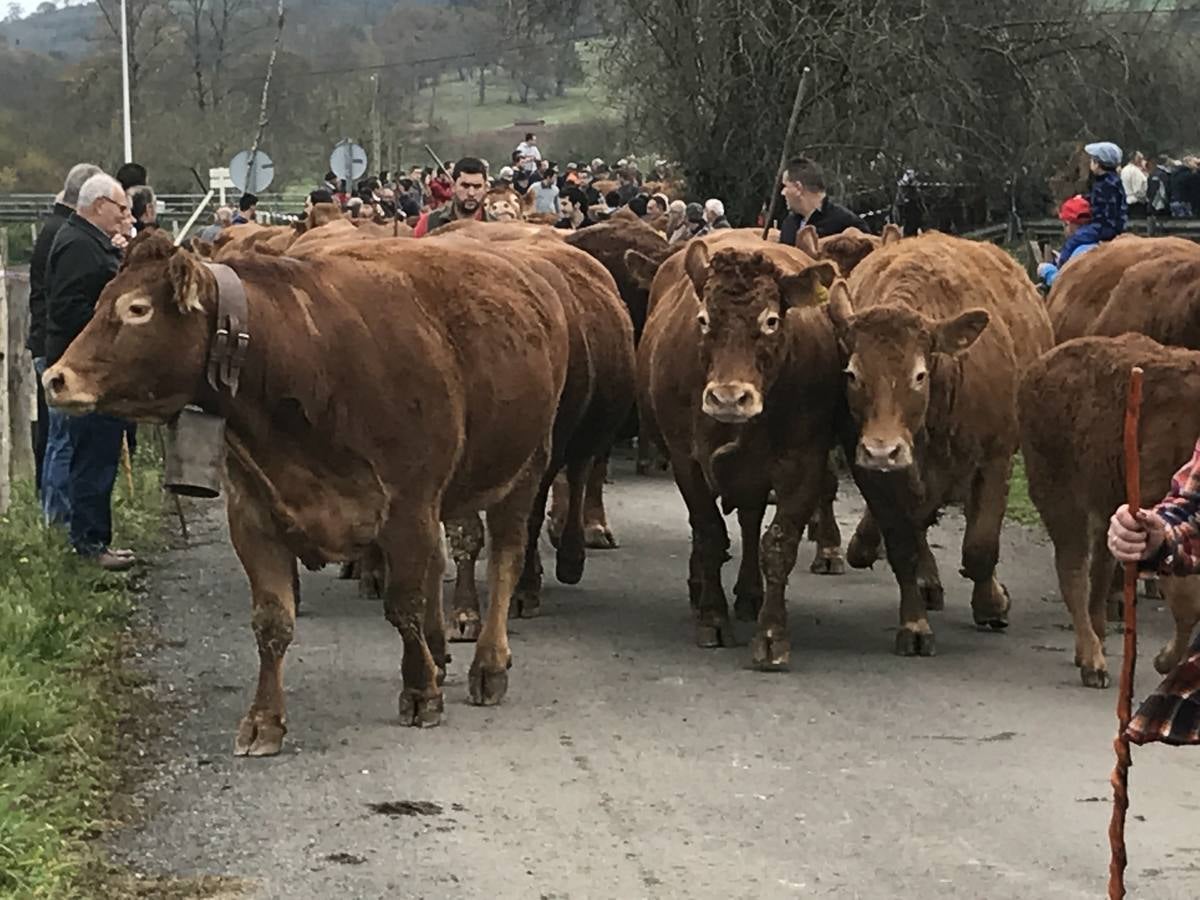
(125, 82)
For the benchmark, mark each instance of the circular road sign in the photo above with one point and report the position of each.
(251, 180)
(348, 160)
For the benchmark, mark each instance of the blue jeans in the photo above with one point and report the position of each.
(56, 470)
(95, 456)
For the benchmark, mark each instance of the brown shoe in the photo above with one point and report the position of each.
(112, 562)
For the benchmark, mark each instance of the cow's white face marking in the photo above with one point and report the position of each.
(134, 308)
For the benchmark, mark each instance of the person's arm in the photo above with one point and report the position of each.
(1179, 512)
(78, 281)
(1108, 195)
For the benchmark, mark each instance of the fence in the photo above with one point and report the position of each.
(1037, 229)
(17, 388)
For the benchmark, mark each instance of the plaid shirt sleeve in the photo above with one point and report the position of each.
(1180, 510)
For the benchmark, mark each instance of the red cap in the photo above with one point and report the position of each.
(1076, 211)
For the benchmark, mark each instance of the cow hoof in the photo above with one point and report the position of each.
(915, 643)
(746, 605)
(568, 569)
(993, 617)
(935, 597)
(466, 627)
(526, 603)
(714, 634)
(1151, 590)
(259, 734)
(599, 537)
(488, 686)
(1093, 678)
(419, 710)
(828, 561)
(1165, 662)
(770, 653)
(860, 555)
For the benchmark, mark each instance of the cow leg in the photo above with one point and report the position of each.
(371, 574)
(271, 569)
(824, 529)
(866, 544)
(510, 533)
(929, 582)
(1092, 616)
(435, 620)
(801, 484)
(410, 541)
(597, 534)
(556, 519)
(571, 555)
(527, 598)
(710, 548)
(465, 537)
(748, 591)
(981, 543)
(1183, 597)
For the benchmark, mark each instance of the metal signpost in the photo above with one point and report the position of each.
(251, 174)
(348, 161)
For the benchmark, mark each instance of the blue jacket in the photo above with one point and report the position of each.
(1109, 208)
(1052, 274)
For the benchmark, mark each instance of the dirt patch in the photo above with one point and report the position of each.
(397, 808)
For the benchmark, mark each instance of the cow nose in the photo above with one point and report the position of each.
(733, 401)
(54, 382)
(875, 453)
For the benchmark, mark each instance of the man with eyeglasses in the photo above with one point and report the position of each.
(82, 453)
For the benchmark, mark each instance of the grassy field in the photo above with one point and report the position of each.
(63, 688)
(1020, 507)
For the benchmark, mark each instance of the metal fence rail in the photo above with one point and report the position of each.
(16, 208)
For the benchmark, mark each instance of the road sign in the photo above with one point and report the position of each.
(219, 178)
(247, 181)
(348, 160)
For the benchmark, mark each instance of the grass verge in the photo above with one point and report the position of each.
(63, 686)
(1020, 507)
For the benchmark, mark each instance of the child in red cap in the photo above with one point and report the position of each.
(1075, 213)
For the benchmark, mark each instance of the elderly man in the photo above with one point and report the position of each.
(222, 218)
(82, 261)
(63, 207)
(714, 214)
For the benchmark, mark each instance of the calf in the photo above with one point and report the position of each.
(1072, 404)
(933, 331)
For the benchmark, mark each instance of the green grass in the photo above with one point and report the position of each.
(63, 689)
(1020, 507)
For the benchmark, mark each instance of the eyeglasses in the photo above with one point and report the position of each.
(121, 206)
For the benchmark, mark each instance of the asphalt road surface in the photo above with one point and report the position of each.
(628, 763)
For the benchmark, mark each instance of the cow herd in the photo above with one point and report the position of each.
(393, 385)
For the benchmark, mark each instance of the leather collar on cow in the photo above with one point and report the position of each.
(228, 351)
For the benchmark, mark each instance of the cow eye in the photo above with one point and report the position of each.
(920, 376)
(771, 324)
(137, 310)
(703, 320)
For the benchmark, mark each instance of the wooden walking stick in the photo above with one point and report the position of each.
(126, 463)
(783, 156)
(1120, 775)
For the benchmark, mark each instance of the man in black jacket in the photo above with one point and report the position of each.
(63, 208)
(808, 204)
(84, 465)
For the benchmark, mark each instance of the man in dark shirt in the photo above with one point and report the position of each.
(808, 204)
(63, 208)
(82, 463)
(247, 210)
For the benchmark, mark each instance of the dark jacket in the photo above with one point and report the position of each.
(82, 261)
(829, 219)
(1110, 212)
(37, 278)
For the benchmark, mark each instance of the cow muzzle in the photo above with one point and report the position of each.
(733, 401)
(884, 455)
(64, 391)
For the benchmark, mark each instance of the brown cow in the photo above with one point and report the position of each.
(1158, 297)
(503, 204)
(934, 331)
(1084, 286)
(595, 402)
(740, 376)
(380, 391)
(1074, 460)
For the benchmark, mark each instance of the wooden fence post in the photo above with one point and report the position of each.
(6, 363)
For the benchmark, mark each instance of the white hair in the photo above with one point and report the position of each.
(98, 186)
(714, 206)
(74, 181)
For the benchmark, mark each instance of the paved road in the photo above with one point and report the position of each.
(627, 763)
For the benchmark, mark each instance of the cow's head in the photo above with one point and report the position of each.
(743, 301)
(892, 353)
(851, 247)
(142, 355)
(502, 204)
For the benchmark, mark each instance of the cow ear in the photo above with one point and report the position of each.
(891, 233)
(696, 265)
(841, 311)
(951, 336)
(808, 241)
(807, 288)
(641, 268)
(187, 277)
